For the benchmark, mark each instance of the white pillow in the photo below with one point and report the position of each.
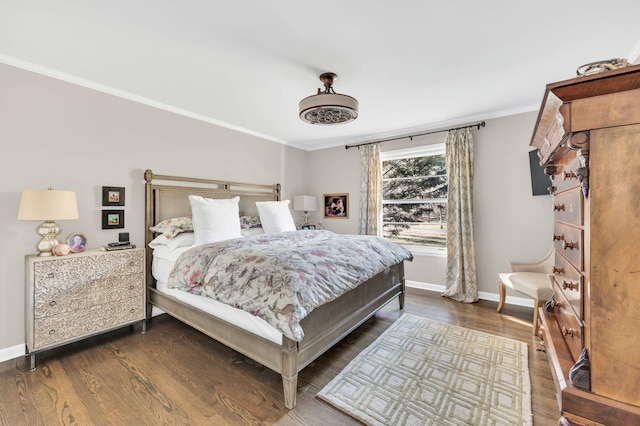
(275, 216)
(184, 239)
(214, 220)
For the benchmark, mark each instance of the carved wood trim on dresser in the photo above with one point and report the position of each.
(588, 140)
(76, 296)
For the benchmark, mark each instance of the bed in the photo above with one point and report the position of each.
(167, 197)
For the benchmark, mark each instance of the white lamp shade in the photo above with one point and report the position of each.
(47, 204)
(305, 203)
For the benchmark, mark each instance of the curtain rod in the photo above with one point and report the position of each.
(478, 125)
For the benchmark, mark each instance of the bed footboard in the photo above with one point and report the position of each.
(330, 323)
(323, 328)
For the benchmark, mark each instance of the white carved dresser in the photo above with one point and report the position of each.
(72, 297)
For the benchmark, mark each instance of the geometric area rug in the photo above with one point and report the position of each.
(421, 372)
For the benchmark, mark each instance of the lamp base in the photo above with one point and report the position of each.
(305, 218)
(48, 230)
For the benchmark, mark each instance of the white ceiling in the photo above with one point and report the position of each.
(414, 65)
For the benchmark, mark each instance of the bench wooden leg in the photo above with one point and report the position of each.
(503, 295)
(536, 305)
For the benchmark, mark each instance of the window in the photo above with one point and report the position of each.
(414, 197)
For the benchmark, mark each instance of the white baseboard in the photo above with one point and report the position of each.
(494, 297)
(12, 352)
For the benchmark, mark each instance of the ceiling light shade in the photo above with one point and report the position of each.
(328, 107)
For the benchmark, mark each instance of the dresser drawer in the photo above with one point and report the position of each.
(569, 241)
(58, 276)
(83, 295)
(570, 282)
(58, 328)
(567, 207)
(568, 177)
(571, 327)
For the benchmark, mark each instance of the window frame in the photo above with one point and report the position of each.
(418, 151)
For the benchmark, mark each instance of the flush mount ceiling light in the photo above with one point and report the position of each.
(328, 107)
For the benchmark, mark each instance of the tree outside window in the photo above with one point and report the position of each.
(414, 196)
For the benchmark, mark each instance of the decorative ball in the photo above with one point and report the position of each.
(61, 249)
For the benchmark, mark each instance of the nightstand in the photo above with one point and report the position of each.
(72, 297)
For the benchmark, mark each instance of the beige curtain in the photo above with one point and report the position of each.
(461, 282)
(370, 190)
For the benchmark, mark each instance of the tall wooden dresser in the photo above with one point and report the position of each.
(588, 140)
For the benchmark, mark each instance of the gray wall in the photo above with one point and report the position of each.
(59, 135)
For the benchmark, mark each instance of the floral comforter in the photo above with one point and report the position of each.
(282, 277)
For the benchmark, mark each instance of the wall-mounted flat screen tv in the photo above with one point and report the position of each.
(539, 180)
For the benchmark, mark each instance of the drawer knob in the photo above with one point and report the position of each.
(51, 275)
(132, 263)
(569, 285)
(52, 303)
(558, 207)
(131, 287)
(569, 175)
(132, 310)
(557, 237)
(558, 270)
(550, 170)
(568, 332)
(52, 332)
(569, 245)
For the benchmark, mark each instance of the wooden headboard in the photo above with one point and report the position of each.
(167, 197)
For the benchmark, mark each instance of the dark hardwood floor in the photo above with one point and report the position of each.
(176, 375)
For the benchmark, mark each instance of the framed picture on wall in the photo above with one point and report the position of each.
(112, 219)
(336, 205)
(112, 196)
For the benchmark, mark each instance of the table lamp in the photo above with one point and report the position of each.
(305, 204)
(47, 205)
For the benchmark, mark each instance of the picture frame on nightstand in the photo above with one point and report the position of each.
(77, 242)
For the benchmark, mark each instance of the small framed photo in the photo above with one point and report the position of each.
(77, 242)
(308, 227)
(112, 219)
(112, 196)
(336, 205)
